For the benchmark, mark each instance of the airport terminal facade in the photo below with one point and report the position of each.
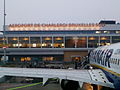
(55, 42)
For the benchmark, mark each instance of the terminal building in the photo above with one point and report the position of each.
(55, 42)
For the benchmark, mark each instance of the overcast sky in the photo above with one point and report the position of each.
(59, 11)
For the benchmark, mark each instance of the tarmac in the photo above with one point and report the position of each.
(16, 86)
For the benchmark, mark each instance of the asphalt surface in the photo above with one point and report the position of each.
(19, 86)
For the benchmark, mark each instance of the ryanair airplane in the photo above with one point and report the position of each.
(107, 58)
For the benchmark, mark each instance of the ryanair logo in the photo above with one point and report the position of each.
(101, 56)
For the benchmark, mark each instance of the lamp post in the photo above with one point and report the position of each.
(4, 37)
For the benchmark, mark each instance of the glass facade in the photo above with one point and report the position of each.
(35, 42)
(45, 58)
(76, 42)
(115, 39)
(82, 42)
(93, 42)
(1, 42)
(47, 42)
(104, 40)
(79, 41)
(69, 42)
(24, 42)
(13, 42)
(59, 42)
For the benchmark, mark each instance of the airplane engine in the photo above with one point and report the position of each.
(69, 85)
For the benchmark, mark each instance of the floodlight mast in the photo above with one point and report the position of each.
(4, 32)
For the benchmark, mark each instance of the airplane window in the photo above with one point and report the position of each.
(118, 61)
(111, 60)
(115, 61)
(117, 51)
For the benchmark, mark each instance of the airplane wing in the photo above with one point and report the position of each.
(94, 76)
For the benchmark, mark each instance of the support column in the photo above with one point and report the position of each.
(110, 39)
(52, 42)
(99, 40)
(29, 42)
(87, 42)
(64, 41)
(7, 40)
(18, 42)
(41, 41)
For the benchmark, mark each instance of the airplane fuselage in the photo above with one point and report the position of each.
(107, 58)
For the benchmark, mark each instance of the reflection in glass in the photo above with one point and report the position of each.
(46, 42)
(23, 42)
(13, 42)
(82, 42)
(115, 39)
(35, 42)
(93, 41)
(69, 42)
(104, 40)
(58, 42)
(76, 42)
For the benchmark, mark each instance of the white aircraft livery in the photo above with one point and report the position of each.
(107, 58)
